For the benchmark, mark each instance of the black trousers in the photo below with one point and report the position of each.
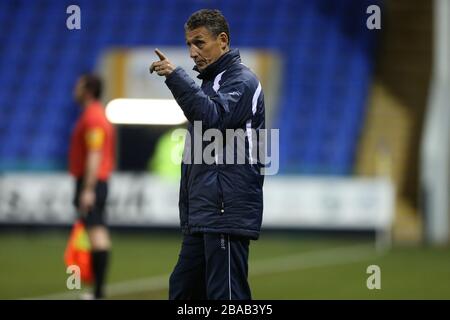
(211, 266)
(96, 217)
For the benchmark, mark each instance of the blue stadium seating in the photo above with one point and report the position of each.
(327, 52)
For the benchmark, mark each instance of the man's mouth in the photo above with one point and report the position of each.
(200, 63)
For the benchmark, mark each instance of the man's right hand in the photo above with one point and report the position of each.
(163, 67)
(87, 200)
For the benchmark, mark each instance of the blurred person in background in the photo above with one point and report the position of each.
(165, 161)
(220, 204)
(91, 162)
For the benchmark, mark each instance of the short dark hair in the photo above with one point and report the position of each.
(93, 84)
(213, 20)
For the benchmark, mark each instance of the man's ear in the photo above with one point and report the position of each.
(223, 40)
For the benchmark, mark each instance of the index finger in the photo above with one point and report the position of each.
(160, 54)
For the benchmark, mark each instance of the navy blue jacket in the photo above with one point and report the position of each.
(221, 197)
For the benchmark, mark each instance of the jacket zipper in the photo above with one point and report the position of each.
(221, 203)
(186, 192)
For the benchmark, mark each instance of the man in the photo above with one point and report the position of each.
(91, 161)
(220, 204)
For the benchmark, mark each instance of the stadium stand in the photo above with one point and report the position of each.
(327, 59)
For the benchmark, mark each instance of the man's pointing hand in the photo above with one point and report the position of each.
(163, 67)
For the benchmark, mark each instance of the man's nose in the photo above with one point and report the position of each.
(193, 52)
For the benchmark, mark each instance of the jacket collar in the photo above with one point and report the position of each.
(225, 61)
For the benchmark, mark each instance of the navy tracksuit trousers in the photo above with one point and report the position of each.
(211, 266)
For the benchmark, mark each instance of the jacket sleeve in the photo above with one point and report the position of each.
(229, 107)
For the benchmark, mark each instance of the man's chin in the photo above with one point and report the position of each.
(202, 66)
(79, 100)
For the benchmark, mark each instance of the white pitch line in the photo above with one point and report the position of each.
(314, 259)
(144, 284)
(301, 261)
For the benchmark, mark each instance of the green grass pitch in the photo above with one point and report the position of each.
(281, 267)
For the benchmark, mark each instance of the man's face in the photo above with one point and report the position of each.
(204, 47)
(79, 91)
